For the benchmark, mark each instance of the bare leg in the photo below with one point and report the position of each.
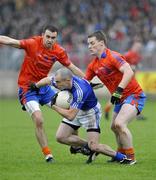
(93, 143)
(115, 131)
(66, 135)
(121, 122)
(39, 130)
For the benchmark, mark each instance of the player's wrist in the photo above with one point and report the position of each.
(36, 85)
(53, 100)
(33, 87)
(119, 90)
(96, 85)
(117, 95)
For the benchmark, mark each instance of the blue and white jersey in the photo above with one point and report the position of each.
(83, 95)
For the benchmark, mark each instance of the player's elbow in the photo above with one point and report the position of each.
(71, 114)
(131, 73)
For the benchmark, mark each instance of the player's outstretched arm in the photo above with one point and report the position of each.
(75, 70)
(35, 86)
(9, 41)
(43, 82)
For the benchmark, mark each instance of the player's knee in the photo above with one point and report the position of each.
(60, 138)
(39, 124)
(38, 120)
(93, 146)
(118, 127)
(113, 128)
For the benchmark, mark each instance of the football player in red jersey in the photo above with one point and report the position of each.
(41, 52)
(133, 57)
(127, 96)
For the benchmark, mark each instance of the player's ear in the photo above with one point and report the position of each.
(42, 34)
(101, 43)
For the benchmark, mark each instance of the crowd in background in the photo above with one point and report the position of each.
(121, 21)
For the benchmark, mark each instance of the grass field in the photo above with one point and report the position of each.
(21, 159)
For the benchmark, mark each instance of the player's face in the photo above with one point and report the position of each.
(62, 84)
(49, 38)
(95, 46)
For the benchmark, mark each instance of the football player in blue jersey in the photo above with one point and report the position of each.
(84, 111)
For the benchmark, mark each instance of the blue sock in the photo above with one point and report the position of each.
(119, 156)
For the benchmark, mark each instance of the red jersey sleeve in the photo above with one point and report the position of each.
(63, 58)
(118, 60)
(26, 43)
(89, 72)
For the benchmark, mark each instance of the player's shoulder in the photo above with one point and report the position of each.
(37, 39)
(116, 55)
(34, 39)
(81, 83)
(77, 81)
(30, 42)
(57, 47)
(79, 88)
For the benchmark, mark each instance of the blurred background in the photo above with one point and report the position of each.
(124, 23)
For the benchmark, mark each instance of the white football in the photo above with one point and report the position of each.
(64, 99)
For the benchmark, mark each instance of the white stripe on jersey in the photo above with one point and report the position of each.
(75, 105)
(79, 92)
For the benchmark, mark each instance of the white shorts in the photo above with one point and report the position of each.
(33, 106)
(90, 119)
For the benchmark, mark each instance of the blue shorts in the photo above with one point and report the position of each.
(136, 100)
(43, 96)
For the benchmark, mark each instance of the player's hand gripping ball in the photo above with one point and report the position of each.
(62, 99)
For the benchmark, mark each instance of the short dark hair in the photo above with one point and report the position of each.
(50, 28)
(100, 36)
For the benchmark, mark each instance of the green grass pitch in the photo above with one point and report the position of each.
(21, 158)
